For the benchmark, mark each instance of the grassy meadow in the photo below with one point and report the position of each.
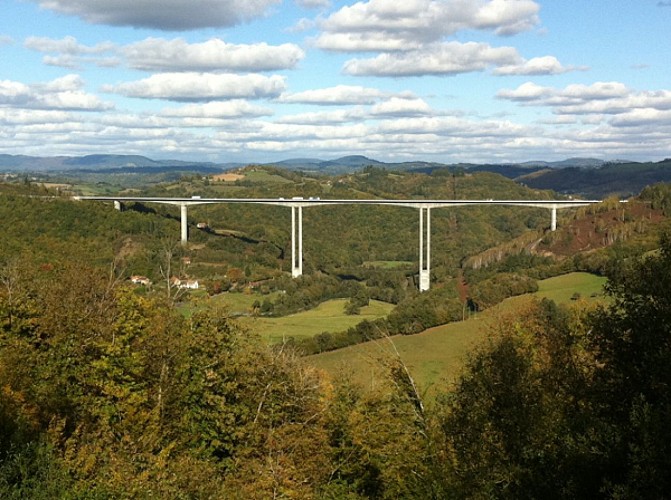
(435, 357)
(327, 317)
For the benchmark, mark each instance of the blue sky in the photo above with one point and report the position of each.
(265, 80)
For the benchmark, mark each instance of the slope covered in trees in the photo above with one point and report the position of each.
(107, 393)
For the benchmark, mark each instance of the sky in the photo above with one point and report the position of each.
(258, 81)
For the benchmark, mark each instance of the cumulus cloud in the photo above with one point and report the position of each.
(22, 117)
(313, 4)
(399, 107)
(201, 87)
(67, 45)
(571, 95)
(438, 59)
(338, 95)
(71, 54)
(171, 15)
(325, 117)
(226, 110)
(647, 117)
(506, 17)
(390, 25)
(547, 65)
(63, 93)
(527, 92)
(609, 106)
(213, 55)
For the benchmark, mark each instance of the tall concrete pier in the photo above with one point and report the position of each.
(296, 241)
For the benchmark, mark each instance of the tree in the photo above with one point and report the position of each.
(513, 425)
(632, 342)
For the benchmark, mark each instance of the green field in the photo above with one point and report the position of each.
(562, 288)
(435, 357)
(234, 303)
(327, 317)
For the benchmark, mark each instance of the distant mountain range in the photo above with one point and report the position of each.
(583, 176)
(101, 162)
(14, 163)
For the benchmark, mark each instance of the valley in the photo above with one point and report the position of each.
(148, 356)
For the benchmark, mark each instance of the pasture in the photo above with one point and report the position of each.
(436, 356)
(329, 316)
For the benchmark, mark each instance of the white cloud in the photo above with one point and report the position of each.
(325, 117)
(338, 95)
(72, 54)
(616, 114)
(390, 25)
(547, 65)
(437, 59)
(575, 95)
(201, 87)
(62, 93)
(22, 117)
(313, 4)
(67, 45)
(6, 40)
(643, 117)
(230, 109)
(213, 55)
(455, 127)
(165, 15)
(527, 92)
(398, 107)
(507, 17)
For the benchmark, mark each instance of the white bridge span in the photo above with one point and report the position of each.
(297, 205)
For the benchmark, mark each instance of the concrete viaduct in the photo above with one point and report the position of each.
(297, 204)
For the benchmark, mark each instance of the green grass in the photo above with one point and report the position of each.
(433, 356)
(327, 317)
(234, 303)
(436, 356)
(561, 288)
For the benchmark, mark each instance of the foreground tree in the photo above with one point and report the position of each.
(631, 340)
(567, 402)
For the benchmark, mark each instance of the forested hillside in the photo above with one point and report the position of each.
(623, 179)
(109, 389)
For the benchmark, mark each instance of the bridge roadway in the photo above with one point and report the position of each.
(297, 204)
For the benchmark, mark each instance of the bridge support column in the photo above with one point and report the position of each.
(553, 221)
(296, 241)
(424, 250)
(118, 205)
(184, 227)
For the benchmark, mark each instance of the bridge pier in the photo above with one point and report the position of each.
(118, 205)
(424, 250)
(553, 221)
(184, 226)
(296, 241)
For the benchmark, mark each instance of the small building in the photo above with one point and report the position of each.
(140, 280)
(184, 283)
(190, 284)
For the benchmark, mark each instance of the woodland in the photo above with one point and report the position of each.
(110, 390)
